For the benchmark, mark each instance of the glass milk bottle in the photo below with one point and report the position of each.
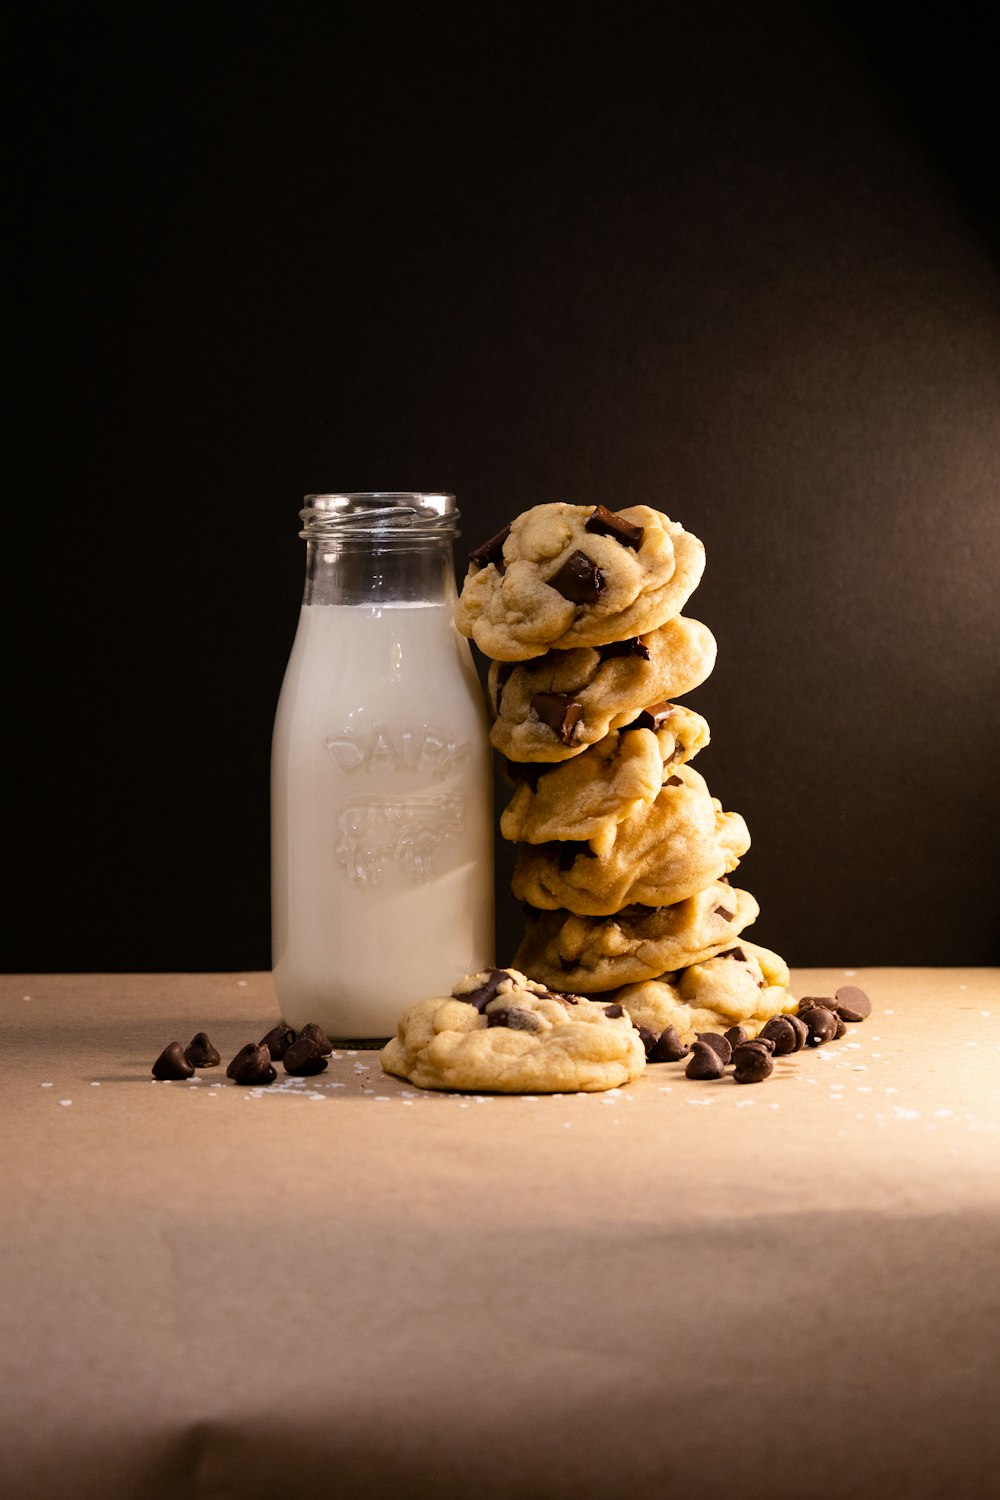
(381, 805)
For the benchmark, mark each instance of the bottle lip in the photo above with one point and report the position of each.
(354, 512)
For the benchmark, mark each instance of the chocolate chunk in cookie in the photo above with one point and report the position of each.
(604, 522)
(579, 579)
(632, 647)
(491, 551)
(514, 1018)
(560, 711)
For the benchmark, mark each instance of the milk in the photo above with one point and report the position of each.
(382, 863)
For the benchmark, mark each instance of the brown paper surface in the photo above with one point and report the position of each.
(674, 1289)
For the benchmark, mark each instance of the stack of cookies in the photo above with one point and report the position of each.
(623, 855)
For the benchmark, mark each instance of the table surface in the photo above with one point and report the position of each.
(676, 1288)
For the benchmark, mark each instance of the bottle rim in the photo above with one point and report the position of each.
(353, 512)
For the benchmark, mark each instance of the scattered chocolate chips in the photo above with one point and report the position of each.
(720, 911)
(172, 1064)
(491, 551)
(488, 991)
(647, 1038)
(631, 647)
(718, 1043)
(653, 717)
(704, 1062)
(614, 1011)
(560, 711)
(514, 1018)
(200, 1053)
(278, 1040)
(852, 1004)
(668, 1047)
(822, 1024)
(237, 1062)
(302, 1058)
(788, 1034)
(579, 579)
(604, 522)
(252, 1065)
(752, 1063)
(736, 1036)
(318, 1035)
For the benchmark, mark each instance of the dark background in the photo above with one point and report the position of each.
(738, 263)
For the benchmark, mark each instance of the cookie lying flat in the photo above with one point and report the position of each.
(502, 1033)
(592, 954)
(660, 855)
(587, 797)
(552, 708)
(745, 986)
(577, 575)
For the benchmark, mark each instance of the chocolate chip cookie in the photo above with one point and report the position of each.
(660, 855)
(586, 798)
(503, 1033)
(563, 576)
(745, 984)
(592, 954)
(552, 708)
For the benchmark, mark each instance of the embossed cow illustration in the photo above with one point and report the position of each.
(381, 833)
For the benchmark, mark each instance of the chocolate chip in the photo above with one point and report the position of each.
(673, 781)
(752, 1063)
(514, 1018)
(560, 995)
(718, 1043)
(852, 1004)
(200, 1053)
(614, 1011)
(491, 551)
(841, 1028)
(647, 1038)
(808, 1001)
(243, 1055)
(318, 1035)
(720, 911)
(278, 1040)
(172, 1063)
(653, 717)
(579, 579)
(560, 711)
(736, 953)
(604, 522)
(669, 1047)
(704, 1062)
(302, 1058)
(488, 991)
(822, 1024)
(788, 1034)
(632, 647)
(252, 1065)
(736, 1036)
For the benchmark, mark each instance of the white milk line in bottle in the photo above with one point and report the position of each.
(381, 817)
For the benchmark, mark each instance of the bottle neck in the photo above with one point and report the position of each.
(380, 547)
(391, 570)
